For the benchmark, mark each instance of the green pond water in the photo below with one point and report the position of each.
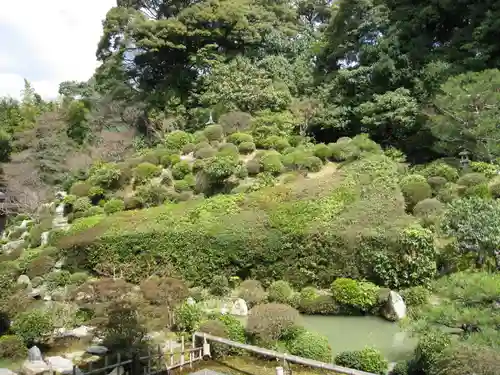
(357, 332)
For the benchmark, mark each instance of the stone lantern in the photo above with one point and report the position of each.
(464, 160)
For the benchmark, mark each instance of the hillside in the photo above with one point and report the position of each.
(238, 166)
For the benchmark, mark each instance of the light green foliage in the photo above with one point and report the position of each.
(472, 179)
(78, 278)
(239, 138)
(177, 139)
(188, 148)
(188, 317)
(267, 123)
(82, 204)
(430, 348)
(280, 291)
(105, 175)
(269, 322)
(253, 167)
(467, 113)
(436, 183)
(358, 294)
(474, 224)
(58, 279)
(114, 205)
(440, 169)
(151, 195)
(271, 162)
(205, 152)
(228, 149)
(80, 189)
(428, 211)
(252, 292)
(219, 168)
(416, 296)
(321, 305)
(213, 132)
(415, 189)
(495, 189)
(12, 347)
(76, 117)
(343, 151)
(311, 345)
(145, 172)
(322, 151)
(368, 359)
(33, 326)
(182, 185)
(487, 169)
(181, 169)
(275, 142)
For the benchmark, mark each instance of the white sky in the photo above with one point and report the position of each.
(47, 42)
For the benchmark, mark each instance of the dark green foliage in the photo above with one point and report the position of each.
(369, 360)
(77, 123)
(33, 326)
(5, 146)
(220, 286)
(311, 345)
(12, 347)
(58, 279)
(40, 266)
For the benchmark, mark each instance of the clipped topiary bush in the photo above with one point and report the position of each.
(280, 291)
(114, 205)
(80, 189)
(252, 292)
(487, 169)
(219, 168)
(481, 191)
(145, 172)
(151, 195)
(313, 164)
(307, 295)
(33, 326)
(440, 169)
(428, 210)
(436, 182)
(78, 278)
(369, 360)
(228, 149)
(12, 347)
(82, 204)
(177, 139)
(269, 322)
(216, 328)
(182, 185)
(322, 151)
(358, 294)
(311, 345)
(495, 190)
(343, 151)
(105, 175)
(246, 148)
(188, 148)
(415, 189)
(271, 162)
(472, 179)
(214, 132)
(448, 193)
(275, 142)
(416, 296)
(205, 153)
(321, 305)
(181, 169)
(239, 138)
(253, 167)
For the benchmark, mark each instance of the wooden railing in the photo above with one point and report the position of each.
(283, 356)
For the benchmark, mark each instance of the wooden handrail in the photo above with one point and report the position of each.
(283, 356)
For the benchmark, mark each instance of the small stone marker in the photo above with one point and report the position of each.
(34, 354)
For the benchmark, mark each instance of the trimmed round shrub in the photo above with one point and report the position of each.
(213, 132)
(269, 322)
(495, 190)
(82, 204)
(203, 144)
(205, 153)
(448, 193)
(313, 164)
(12, 347)
(182, 185)
(311, 345)
(480, 191)
(415, 189)
(358, 294)
(33, 326)
(78, 278)
(151, 157)
(216, 328)
(307, 295)
(252, 292)
(188, 317)
(321, 305)
(132, 203)
(229, 149)
(440, 169)
(219, 286)
(177, 139)
(253, 167)
(239, 138)
(94, 211)
(322, 151)
(80, 189)
(105, 175)
(246, 148)
(416, 296)
(280, 291)
(365, 144)
(275, 142)
(472, 179)
(219, 168)
(188, 148)
(145, 172)
(428, 210)
(436, 182)
(151, 195)
(57, 279)
(114, 205)
(489, 170)
(271, 162)
(241, 171)
(181, 169)
(368, 359)
(40, 266)
(199, 137)
(343, 151)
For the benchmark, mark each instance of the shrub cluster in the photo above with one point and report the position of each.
(269, 322)
(358, 294)
(369, 360)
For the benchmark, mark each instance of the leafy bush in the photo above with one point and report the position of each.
(151, 195)
(145, 172)
(93, 211)
(271, 162)
(12, 347)
(311, 345)
(205, 153)
(105, 175)
(358, 294)
(241, 171)
(235, 121)
(40, 266)
(216, 328)
(188, 317)
(80, 189)
(436, 182)
(252, 292)
(253, 167)
(275, 142)
(188, 148)
(181, 169)
(321, 305)
(33, 326)
(269, 322)
(214, 132)
(228, 149)
(177, 139)
(219, 168)
(132, 203)
(440, 169)
(114, 205)
(472, 179)
(78, 278)
(481, 191)
(368, 359)
(234, 328)
(239, 138)
(313, 164)
(467, 359)
(246, 148)
(280, 291)
(220, 286)
(307, 295)
(82, 204)
(343, 151)
(428, 210)
(415, 189)
(58, 279)
(487, 169)
(416, 296)
(495, 190)
(448, 193)
(322, 151)
(181, 186)
(429, 349)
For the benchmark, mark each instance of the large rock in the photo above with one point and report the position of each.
(239, 308)
(34, 354)
(6, 371)
(61, 365)
(97, 350)
(34, 368)
(394, 308)
(23, 280)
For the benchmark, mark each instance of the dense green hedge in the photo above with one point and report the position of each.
(306, 233)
